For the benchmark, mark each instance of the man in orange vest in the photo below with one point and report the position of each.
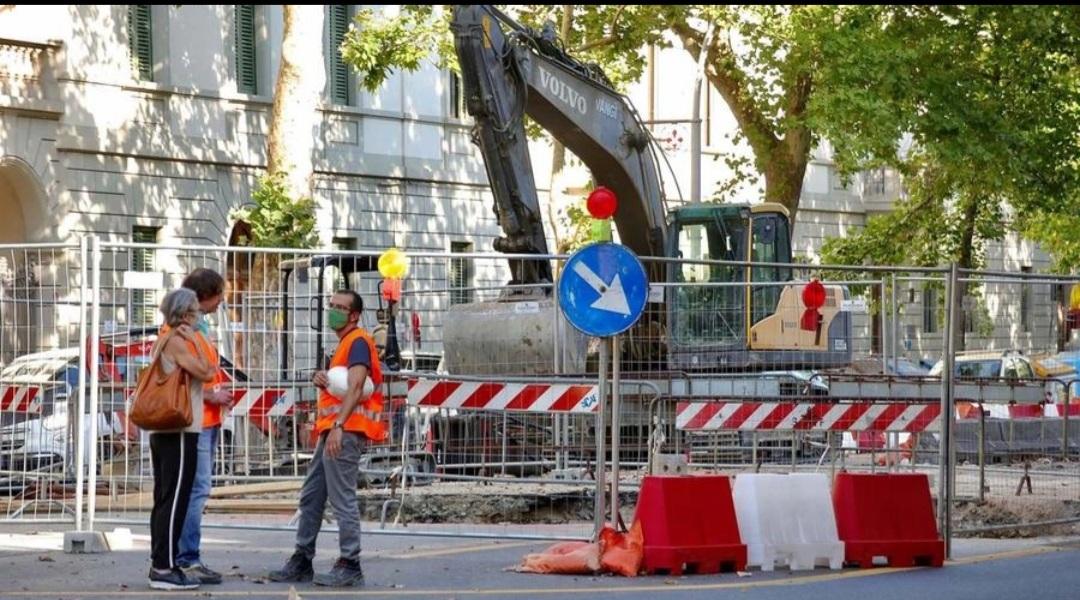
(344, 426)
(209, 288)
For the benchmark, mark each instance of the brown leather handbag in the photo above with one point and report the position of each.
(162, 402)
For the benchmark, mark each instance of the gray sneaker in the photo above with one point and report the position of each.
(202, 574)
(346, 573)
(298, 569)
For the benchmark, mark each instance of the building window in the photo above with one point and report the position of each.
(1025, 303)
(967, 313)
(929, 310)
(875, 182)
(140, 38)
(461, 274)
(338, 23)
(143, 305)
(246, 67)
(457, 96)
(343, 244)
(839, 183)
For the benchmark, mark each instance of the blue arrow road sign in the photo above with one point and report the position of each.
(603, 289)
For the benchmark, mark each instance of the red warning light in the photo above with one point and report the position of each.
(601, 203)
(813, 297)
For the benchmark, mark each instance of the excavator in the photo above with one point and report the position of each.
(718, 314)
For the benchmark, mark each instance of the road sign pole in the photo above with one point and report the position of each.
(616, 358)
(601, 438)
(603, 290)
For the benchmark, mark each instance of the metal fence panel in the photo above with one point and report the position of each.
(40, 374)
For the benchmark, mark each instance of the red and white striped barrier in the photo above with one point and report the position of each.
(20, 399)
(524, 397)
(259, 403)
(807, 416)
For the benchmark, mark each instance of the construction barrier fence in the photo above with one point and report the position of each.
(493, 401)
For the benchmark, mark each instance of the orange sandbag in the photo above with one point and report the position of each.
(623, 552)
(567, 558)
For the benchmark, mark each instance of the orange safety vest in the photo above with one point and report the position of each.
(211, 412)
(365, 417)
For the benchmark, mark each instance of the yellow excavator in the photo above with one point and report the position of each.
(720, 313)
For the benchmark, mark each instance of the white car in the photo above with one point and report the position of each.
(35, 392)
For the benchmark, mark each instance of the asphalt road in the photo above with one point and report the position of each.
(32, 565)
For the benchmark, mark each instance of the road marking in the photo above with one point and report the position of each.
(1033, 551)
(454, 550)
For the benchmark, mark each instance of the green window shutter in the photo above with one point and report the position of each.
(140, 37)
(143, 305)
(339, 71)
(246, 78)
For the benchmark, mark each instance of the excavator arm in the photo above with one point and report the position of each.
(510, 71)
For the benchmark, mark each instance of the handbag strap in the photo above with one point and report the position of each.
(155, 355)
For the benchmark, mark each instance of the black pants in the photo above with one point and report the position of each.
(174, 456)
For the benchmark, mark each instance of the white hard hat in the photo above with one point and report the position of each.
(339, 383)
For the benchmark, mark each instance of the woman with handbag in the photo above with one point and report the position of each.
(168, 402)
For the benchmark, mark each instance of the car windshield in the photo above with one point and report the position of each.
(979, 368)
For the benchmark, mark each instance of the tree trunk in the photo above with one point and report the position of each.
(784, 175)
(781, 160)
(294, 123)
(294, 118)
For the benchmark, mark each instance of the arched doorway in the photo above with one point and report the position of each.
(22, 207)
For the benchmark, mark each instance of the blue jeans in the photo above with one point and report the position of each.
(191, 536)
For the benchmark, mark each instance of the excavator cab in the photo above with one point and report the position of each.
(723, 315)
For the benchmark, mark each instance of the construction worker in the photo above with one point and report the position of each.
(344, 426)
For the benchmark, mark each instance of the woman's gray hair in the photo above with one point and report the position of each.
(177, 304)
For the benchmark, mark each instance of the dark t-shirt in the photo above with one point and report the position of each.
(359, 354)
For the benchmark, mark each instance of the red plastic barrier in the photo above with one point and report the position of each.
(1026, 411)
(888, 516)
(689, 525)
(1074, 408)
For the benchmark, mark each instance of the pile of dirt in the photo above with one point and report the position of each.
(1003, 512)
(547, 506)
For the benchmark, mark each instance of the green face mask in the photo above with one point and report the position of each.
(336, 319)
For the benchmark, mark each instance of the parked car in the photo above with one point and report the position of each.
(997, 364)
(1006, 365)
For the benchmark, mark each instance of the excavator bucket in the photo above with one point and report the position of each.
(511, 338)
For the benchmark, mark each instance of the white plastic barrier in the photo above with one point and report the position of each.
(787, 519)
